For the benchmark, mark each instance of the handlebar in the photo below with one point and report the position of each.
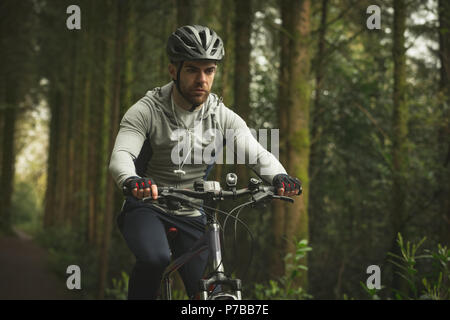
(212, 191)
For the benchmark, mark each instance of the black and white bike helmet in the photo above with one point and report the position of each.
(194, 43)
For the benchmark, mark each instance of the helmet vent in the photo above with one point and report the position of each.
(203, 38)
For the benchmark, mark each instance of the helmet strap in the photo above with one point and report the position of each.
(177, 84)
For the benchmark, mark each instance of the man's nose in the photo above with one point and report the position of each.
(201, 77)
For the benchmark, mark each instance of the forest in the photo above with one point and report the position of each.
(359, 90)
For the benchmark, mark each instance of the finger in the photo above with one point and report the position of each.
(154, 191)
(147, 192)
(134, 192)
(281, 192)
(140, 193)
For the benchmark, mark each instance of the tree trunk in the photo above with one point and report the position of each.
(50, 199)
(319, 65)
(73, 127)
(400, 130)
(225, 69)
(185, 12)
(86, 139)
(114, 126)
(167, 27)
(291, 221)
(62, 152)
(242, 33)
(55, 71)
(15, 54)
(225, 66)
(444, 132)
(317, 152)
(129, 57)
(98, 127)
(8, 159)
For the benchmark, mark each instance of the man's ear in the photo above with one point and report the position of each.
(172, 71)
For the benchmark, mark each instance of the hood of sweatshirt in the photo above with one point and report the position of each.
(161, 100)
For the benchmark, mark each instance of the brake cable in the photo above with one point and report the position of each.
(240, 207)
(227, 214)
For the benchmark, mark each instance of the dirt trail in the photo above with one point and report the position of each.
(24, 272)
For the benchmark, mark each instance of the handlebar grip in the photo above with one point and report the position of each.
(128, 192)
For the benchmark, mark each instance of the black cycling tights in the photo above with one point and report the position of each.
(144, 230)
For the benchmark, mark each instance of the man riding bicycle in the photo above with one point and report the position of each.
(146, 154)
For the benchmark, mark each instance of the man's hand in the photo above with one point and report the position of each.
(286, 185)
(142, 187)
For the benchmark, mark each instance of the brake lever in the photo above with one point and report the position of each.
(150, 199)
(159, 198)
(167, 197)
(289, 199)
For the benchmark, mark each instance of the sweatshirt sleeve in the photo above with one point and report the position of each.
(247, 149)
(131, 136)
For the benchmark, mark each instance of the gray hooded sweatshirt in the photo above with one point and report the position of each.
(190, 141)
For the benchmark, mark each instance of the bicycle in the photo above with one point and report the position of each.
(211, 193)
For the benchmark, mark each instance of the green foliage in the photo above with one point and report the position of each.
(440, 288)
(407, 262)
(67, 247)
(119, 290)
(30, 170)
(25, 207)
(286, 287)
(430, 282)
(179, 294)
(373, 293)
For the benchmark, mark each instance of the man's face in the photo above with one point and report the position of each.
(196, 79)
